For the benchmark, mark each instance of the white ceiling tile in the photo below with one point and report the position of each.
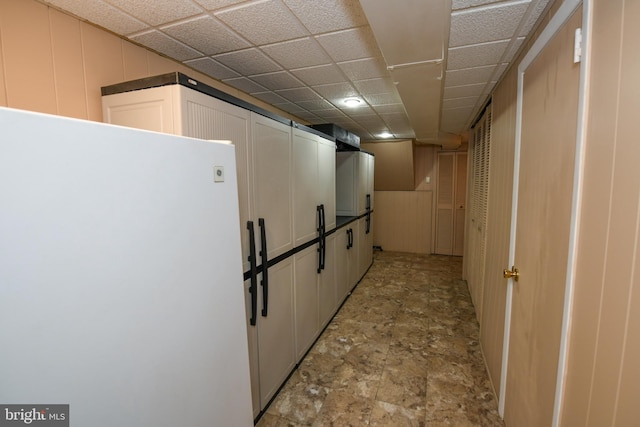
(102, 14)
(299, 53)
(336, 92)
(538, 8)
(289, 107)
(206, 34)
(463, 4)
(476, 55)
(299, 94)
(269, 97)
(319, 75)
(328, 15)
(160, 11)
(375, 86)
(330, 114)
(389, 108)
(315, 105)
(468, 101)
(361, 110)
(248, 62)
(350, 44)
(212, 68)
(463, 91)
(277, 80)
(362, 69)
(494, 22)
(217, 4)
(382, 99)
(469, 75)
(263, 22)
(245, 85)
(162, 43)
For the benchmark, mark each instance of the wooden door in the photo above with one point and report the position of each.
(544, 196)
(450, 205)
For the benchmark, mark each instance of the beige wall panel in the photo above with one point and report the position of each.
(424, 166)
(3, 90)
(617, 333)
(102, 63)
(627, 410)
(135, 61)
(28, 62)
(403, 221)
(592, 250)
(66, 42)
(159, 64)
(394, 165)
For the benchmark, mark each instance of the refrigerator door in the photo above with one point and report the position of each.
(121, 288)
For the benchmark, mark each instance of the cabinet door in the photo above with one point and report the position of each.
(252, 337)
(272, 189)
(327, 286)
(306, 299)
(306, 185)
(275, 331)
(346, 183)
(363, 182)
(352, 255)
(365, 247)
(206, 117)
(149, 109)
(342, 251)
(370, 177)
(327, 180)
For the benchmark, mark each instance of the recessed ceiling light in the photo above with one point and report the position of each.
(352, 102)
(385, 135)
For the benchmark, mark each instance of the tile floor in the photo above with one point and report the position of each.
(402, 351)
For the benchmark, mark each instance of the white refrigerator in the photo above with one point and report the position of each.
(121, 287)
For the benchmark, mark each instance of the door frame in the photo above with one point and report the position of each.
(565, 11)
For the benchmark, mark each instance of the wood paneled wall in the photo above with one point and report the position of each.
(54, 63)
(402, 221)
(603, 372)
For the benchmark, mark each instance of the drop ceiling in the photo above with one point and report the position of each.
(422, 68)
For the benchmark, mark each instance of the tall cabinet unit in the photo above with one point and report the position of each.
(314, 216)
(355, 198)
(264, 163)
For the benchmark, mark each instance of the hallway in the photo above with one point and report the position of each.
(402, 351)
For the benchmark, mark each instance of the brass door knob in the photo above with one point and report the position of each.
(513, 273)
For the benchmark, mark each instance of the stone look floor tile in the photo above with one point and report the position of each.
(402, 351)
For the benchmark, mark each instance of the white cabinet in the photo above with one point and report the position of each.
(346, 270)
(365, 244)
(313, 185)
(354, 182)
(264, 165)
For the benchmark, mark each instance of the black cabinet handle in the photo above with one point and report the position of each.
(321, 237)
(324, 238)
(265, 270)
(349, 238)
(368, 220)
(253, 287)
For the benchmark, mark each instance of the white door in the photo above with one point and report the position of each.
(543, 198)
